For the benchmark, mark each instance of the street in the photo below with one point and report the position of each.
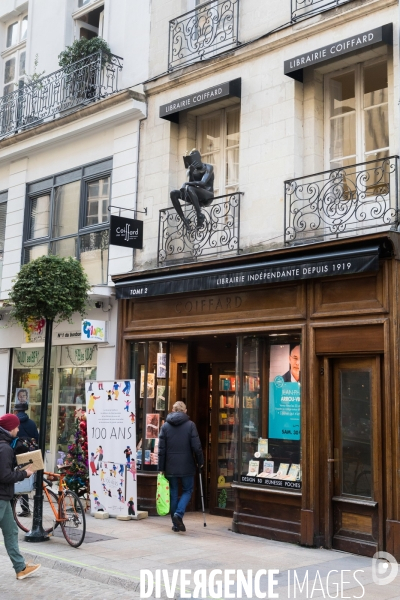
(108, 564)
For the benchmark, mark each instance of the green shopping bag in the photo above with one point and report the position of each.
(162, 495)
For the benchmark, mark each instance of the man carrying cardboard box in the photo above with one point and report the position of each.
(9, 425)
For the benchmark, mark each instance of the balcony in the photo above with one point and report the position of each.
(303, 9)
(218, 235)
(202, 33)
(60, 93)
(348, 201)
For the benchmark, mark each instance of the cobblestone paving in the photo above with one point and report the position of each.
(52, 583)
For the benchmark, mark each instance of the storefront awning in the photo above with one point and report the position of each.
(380, 35)
(346, 262)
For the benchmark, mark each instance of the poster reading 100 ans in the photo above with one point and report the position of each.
(111, 428)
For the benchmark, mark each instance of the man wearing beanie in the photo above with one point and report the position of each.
(9, 425)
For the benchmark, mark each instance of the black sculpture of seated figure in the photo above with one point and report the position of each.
(198, 191)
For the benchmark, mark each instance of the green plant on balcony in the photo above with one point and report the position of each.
(82, 49)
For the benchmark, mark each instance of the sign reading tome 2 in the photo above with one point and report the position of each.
(126, 232)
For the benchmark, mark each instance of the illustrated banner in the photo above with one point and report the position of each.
(111, 428)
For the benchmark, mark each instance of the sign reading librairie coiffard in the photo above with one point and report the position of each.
(294, 66)
(111, 430)
(126, 232)
(256, 275)
(222, 90)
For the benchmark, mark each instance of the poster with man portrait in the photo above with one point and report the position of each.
(284, 392)
(21, 396)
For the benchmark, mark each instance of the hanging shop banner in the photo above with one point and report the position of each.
(126, 232)
(93, 331)
(36, 333)
(79, 356)
(295, 269)
(284, 392)
(111, 430)
(30, 358)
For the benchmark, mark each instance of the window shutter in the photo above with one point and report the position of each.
(3, 216)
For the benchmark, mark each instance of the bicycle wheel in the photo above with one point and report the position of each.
(22, 507)
(74, 525)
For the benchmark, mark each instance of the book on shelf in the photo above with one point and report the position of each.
(263, 447)
(293, 474)
(253, 467)
(282, 470)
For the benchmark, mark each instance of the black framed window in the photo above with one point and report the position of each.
(67, 214)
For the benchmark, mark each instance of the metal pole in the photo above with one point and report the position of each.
(37, 533)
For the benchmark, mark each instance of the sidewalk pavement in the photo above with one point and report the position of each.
(107, 565)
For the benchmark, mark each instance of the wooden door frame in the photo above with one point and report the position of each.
(328, 434)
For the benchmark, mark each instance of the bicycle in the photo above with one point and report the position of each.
(64, 509)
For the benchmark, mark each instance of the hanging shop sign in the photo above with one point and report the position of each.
(94, 331)
(111, 429)
(125, 232)
(228, 89)
(294, 66)
(324, 265)
(35, 335)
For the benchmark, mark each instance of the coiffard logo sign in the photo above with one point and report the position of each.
(126, 232)
(93, 331)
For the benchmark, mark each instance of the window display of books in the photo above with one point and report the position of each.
(286, 471)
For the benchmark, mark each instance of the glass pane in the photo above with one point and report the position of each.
(35, 252)
(375, 84)
(24, 28)
(210, 140)
(9, 70)
(29, 383)
(83, 2)
(251, 406)
(270, 427)
(8, 89)
(22, 57)
(233, 127)
(227, 422)
(64, 248)
(232, 167)
(342, 94)
(98, 193)
(156, 404)
(66, 209)
(72, 396)
(94, 256)
(40, 217)
(12, 34)
(376, 128)
(343, 137)
(355, 423)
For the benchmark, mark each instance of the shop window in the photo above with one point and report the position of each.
(357, 115)
(27, 379)
(218, 138)
(268, 406)
(160, 373)
(71, 220)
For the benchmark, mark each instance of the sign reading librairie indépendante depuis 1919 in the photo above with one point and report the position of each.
(294, 66)
(256, 275)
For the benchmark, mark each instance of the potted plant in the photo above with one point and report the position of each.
(83, 78)
(222, 498)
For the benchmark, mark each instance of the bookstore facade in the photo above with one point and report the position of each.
(284, 361)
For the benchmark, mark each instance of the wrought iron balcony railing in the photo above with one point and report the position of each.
(346, 201)
(203, 32)
(302, 9)
(60, 93)
(219, 234)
